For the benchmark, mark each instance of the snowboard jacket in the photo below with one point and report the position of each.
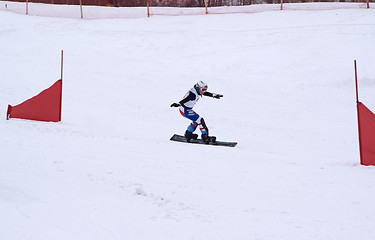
(192, 97)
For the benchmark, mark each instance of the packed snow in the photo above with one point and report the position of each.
(108, 170)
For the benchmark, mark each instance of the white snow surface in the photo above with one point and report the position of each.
(109, 172)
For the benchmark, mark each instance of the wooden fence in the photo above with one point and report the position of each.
(206, 4)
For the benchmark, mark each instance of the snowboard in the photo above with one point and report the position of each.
(179, 138)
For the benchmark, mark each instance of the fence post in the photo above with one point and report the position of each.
(27, 7)
(80, 5)
(281, 7)
(368, 4)
(205, 4)
(148, 8)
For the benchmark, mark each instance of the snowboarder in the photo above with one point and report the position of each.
(186, 109)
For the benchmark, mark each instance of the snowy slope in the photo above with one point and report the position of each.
(108, 171)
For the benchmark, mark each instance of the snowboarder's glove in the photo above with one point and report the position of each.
(175, 105)
(218, 96)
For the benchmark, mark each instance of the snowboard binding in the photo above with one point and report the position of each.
(208, 139)
(190, 136)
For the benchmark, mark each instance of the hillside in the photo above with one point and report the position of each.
(108, 171)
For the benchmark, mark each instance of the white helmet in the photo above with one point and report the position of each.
(201, 85)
